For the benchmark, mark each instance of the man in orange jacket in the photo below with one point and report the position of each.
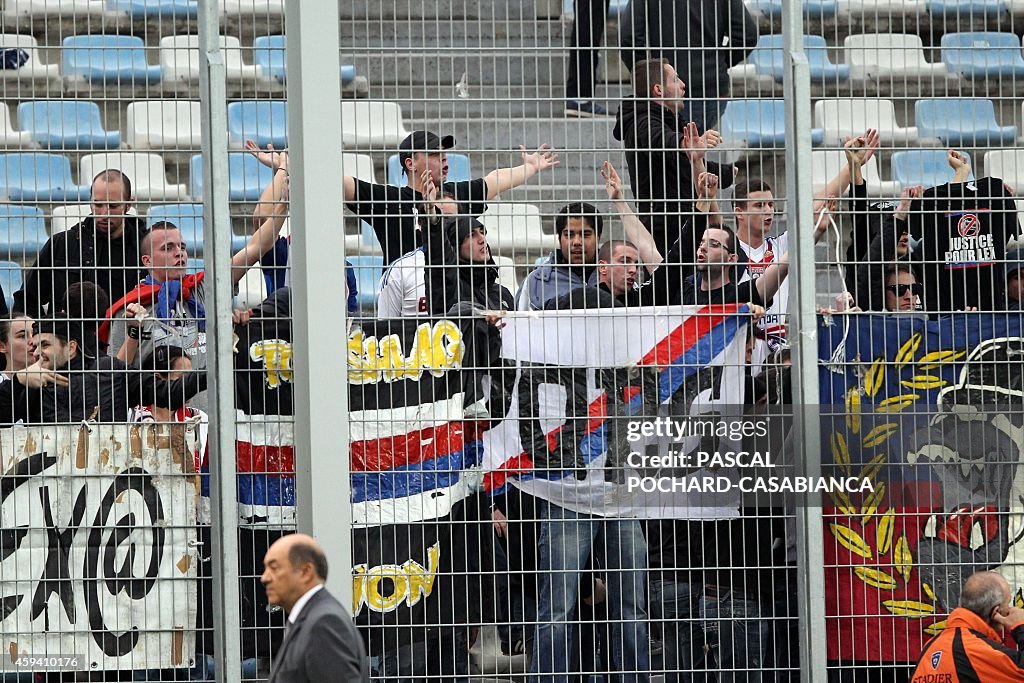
(970, 649)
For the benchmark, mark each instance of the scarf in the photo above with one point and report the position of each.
(170, 292)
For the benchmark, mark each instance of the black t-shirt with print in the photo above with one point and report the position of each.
(731, 293)
(964, 228)
(391, 210)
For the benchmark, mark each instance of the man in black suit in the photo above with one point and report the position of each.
(320, 641)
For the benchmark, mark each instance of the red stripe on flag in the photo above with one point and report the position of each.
(254, 459)
(679, 340)
(378, 455)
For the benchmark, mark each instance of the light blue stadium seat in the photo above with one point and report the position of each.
(246, 177)
(767, 58)
(22, 230)
(967, 8)
(107, 59)
(758, 124)
(195, 265)
(189, 219)
(617, 8)
(66, 124)
(39, 177)
(11, 280)
(962, 123)
(265, 123)
(269, 55)
(812, 8)
(983, 54)
(926, 167)
(368, 271)
(156, 9)
(458, 169)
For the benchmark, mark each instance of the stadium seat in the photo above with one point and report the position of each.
(8, 136)
(163, 124)
(1007, 164)
(189, 219)
(458, 169)
(39, 177)
(962, 123)
(983, 54)
(926, 167)
(758, 124)
(156, 9)
(890, 56)
(252, 288)
(358, 166)
(66, 124)
(515, 229)
(264, 122)
(271, 63)
(107, 59)
(767, 58)
(146, 171)
(251, 8)
(179, 60)
(68, 216)
(368, 271)
(246, 177)
(54, 8)
(195, 265)
(881, 8)
(507, 273)
(33, 68)
(22, 230)
(11, 280)
(967, 8)
(849, 117)
(371, 124)
(827, 163)
(812, 8)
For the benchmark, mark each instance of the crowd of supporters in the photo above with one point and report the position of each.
(109, 326)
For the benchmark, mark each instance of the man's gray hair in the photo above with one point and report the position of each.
(982, 593)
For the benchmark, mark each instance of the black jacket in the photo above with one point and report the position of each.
(659, 172)
(105, 383)
(701, 38)
(82, 254)
(454, 284)
(872, 247)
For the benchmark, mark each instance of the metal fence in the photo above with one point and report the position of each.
(500, 322)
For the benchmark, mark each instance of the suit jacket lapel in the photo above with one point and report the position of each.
(290, 632)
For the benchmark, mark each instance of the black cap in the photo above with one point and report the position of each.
(422, 141)
(61, 326)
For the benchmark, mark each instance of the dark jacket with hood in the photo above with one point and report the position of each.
(877, 226)
(659, 172)
(454, 284)
(79, 254)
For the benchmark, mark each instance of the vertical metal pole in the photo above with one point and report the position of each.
(217, 247)
(318, 274)
(803, 321)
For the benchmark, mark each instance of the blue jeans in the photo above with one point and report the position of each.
(706, 629)
(566, 541)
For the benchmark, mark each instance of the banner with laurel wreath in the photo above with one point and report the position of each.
(933, 413)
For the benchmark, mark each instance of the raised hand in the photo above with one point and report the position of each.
(707, 186)
(711, 139)
(540, 160)
(861, 148)
(612, 181)
(692, 144)
(907, 196)
(956, 160)
(429, 190)
(270, 157)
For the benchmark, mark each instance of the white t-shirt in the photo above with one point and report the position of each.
(402, 292)
(773, 324)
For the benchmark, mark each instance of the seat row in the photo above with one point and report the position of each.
(176, 125)
(971, 55)
(138, 9)
(122, 60)
(954, 122)
(825, 9)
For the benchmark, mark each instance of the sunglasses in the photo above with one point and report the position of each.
(899, 290)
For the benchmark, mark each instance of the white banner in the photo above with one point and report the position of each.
(97, 546)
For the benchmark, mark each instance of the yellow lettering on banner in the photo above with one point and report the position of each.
(276, 355)
(436, 348)
(410, 583)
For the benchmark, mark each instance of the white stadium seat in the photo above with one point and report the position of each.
(1007, 164)
(826, 164)
(51, 8)
(33, 69)
(850, 117)
(8, 136)
(507, 273)
(179, 59)
(890, 55)
(146, 171)
(250, 8)
(372, 124)
(164, 124)
(515, 229)
(358, 166)
(70, 215)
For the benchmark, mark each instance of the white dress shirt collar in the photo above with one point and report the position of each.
(301, 602)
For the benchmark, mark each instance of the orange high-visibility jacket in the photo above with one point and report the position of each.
(970, 651)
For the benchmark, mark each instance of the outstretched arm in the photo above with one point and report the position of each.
(858, 151)
(958, 162)
(505, 179)
(636, 231)
(771, 280)
(266, 235)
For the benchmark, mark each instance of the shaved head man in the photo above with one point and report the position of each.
(320, 642)
(971, 646)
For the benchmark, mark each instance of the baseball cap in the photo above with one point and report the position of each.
(422, 141)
